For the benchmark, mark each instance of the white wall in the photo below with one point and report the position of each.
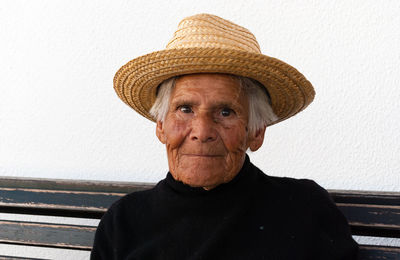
(60, 117)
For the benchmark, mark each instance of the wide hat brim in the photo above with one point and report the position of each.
(136, 82)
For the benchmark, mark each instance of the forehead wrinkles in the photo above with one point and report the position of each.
(220, 90)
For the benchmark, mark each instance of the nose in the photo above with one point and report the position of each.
(203, 128)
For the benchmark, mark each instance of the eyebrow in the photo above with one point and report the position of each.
(225, 104)
(215, 105)
(183, 101)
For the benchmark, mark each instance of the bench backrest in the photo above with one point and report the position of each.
(375, 214)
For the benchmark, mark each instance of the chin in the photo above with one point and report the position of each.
(203, 177)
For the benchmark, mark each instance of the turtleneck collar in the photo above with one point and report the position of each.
(242, 178)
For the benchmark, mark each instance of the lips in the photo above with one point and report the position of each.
(202, 155)
(202, 151)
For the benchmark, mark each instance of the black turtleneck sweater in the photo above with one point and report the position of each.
(254, 216)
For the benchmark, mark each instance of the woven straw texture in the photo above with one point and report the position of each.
(209, 44)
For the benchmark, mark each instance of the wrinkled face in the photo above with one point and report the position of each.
(205, 130)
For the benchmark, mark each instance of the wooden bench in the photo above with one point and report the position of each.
(375, 214)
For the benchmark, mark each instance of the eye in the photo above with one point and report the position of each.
(225, 112)
(185, 109)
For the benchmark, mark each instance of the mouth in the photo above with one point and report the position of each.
(203, 155)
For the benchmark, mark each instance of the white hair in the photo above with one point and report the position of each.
(260, 110)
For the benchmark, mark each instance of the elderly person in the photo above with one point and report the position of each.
(212, 95)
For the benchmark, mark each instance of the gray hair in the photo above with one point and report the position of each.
(260, 110)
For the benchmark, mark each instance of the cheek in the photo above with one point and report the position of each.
(176, 131)
(235, 138)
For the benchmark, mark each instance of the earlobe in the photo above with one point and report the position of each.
(257, 139)
(160, 132)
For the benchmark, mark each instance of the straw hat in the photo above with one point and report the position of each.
(206, 43)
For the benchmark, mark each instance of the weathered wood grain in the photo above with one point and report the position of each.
(48, 235)
(4, 257)
(81, 238)
(77, 185)
(371, 252)
(56, 202)
(374, 220)
(57, 199)
(366, 197)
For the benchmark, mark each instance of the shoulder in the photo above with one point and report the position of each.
(300, 195)
(304, 197)
(296, 189)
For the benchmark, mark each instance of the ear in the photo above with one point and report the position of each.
(160, 132)
(256, 139)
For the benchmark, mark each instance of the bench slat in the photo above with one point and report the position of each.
(370, 252)
(81, 237)
(4, 257)
(48, 235)
(366, 197)
(374, 220)
(56, 203)
(72, 185)
(57, 199)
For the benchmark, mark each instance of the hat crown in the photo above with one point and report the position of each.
(210, 31)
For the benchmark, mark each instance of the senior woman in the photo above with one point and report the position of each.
(212, 95)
